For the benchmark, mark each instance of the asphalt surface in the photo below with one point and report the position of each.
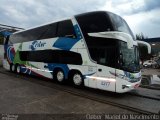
(19, 95)
(150, 71)
(34, 97)
(1, 53)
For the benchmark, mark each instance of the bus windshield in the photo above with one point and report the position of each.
(129, 58)
(119, 24)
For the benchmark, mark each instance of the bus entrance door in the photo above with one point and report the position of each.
(105, 80)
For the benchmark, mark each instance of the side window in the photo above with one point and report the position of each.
(103, 51)
(102, 59)
(23, 55)
(44, 32)
(66, 29)
(6, 40)
(50, 32)
(104, 56)
(52, 56)
(13, 39)
(60, 29)
(68, 57)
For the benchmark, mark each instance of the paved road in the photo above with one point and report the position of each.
(150, 71)
(28, 95)
(1, 50)
(21, 96)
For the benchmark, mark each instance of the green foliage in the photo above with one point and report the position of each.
(140, 36)
(1, 40)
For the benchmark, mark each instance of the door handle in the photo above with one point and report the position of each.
(100, 70)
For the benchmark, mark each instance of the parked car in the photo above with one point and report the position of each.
(150, 64)
(158, 62)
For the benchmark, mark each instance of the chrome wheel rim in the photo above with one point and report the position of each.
(60, 76)
(77, 79)
(18, 69)
(12, 67)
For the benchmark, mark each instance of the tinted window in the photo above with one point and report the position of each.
(94, 22)
(65, 29)
(60, 29)
(105, 56)
(6, 40)
(24, 55)
(48, 31)
(52, 56)
(44, 32)
(104, 51)
(120, 24)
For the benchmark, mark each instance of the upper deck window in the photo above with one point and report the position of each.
(58, 29)
(94, 22)
(120, 24)
(65, 29)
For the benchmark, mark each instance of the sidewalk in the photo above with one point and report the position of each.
(150, 71)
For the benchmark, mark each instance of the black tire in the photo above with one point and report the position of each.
(12, 67)
(59, 76)
(17, 69)
(77, 79)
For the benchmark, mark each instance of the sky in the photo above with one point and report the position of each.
(141, 15)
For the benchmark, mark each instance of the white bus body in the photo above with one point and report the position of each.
(106, 68)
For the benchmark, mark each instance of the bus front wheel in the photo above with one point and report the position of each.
(77, 79)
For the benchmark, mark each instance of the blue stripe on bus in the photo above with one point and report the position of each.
(10, 53)
(65, 43)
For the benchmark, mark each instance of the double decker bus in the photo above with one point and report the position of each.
(95, 49)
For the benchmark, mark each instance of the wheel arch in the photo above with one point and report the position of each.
(61, 68)
(72, 71)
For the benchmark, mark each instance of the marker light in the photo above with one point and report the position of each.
(101, 78)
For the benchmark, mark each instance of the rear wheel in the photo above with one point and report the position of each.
(12, 67)
(18, 69)
(59, 76)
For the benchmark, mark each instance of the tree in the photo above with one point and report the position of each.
(140, 36)
(1, 39)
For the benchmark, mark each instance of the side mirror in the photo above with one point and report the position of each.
(146, 44)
